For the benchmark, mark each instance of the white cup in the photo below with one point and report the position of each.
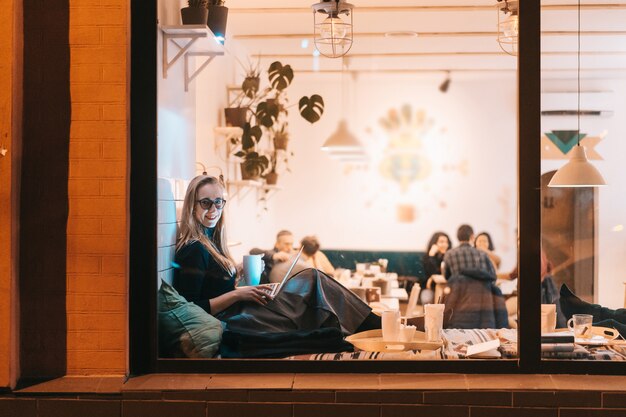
(407, 333)
(433, 321)
(252, 269)
(548, 318)
(391, 325)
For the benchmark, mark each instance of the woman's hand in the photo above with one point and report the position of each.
(433, 250)
(259, 294)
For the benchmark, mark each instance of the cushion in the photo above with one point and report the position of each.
(185, 329)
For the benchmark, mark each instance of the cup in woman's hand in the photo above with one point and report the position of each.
(252, 269)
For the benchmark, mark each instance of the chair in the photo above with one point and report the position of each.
(441, 284)
(413, 299)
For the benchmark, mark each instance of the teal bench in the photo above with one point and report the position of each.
(405, 264)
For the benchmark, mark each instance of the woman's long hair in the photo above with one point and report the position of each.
(191, 230)
(435, 237)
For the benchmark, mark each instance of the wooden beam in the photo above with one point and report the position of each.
(420, 9)
(308, 35)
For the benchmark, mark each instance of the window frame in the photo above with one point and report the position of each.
(143, 212)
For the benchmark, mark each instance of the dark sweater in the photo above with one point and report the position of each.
(198, 277)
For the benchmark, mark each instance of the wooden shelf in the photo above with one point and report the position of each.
(191, 41)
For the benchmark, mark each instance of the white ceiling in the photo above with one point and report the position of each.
(459, 36)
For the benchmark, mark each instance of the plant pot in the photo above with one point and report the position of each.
(280, 142)
(236, 116)
(271, 178)
(248, 173)
(194, 15)
(218, 15)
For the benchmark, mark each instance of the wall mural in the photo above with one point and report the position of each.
(556, 144)
(404, 161)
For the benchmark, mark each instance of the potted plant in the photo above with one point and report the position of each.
(267, 112)
(238, 116)
(253, 164)
(196, 13)
(218, 16)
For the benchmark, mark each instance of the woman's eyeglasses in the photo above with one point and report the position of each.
(207, 203)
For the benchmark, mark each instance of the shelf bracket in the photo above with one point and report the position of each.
(190, 77)
(181, 49)
(184, 40)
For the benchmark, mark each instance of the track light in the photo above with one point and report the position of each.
(445, 84)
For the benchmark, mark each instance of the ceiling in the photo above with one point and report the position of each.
(457, 36)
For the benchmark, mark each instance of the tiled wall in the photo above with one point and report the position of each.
(97, 226)
(171, 193)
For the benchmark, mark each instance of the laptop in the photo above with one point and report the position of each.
(277, 287)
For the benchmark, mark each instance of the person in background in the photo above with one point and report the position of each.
(282, 251)
(484, 242)
(438, 245)
(466, 257)
(312, 254)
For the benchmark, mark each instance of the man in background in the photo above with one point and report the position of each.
(313, 256)
(466, 257)
(282, 251)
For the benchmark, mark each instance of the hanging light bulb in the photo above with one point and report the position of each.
(508, 25)
(333, 29)
(578, 171)
(332, 25)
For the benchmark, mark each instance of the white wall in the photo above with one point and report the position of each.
(471, 149)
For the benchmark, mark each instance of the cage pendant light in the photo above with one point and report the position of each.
(508, 25)
(578, 171)
(332, 26)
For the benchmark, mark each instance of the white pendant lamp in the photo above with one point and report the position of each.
(342, 142)
(578, 172)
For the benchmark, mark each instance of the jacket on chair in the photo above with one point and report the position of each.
(475, 302)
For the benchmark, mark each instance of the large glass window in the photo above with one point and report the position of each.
(582, 225)
(417, 137)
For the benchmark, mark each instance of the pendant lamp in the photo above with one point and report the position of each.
(578, 172)
(508, 25)
(332, 27)
(342, 142)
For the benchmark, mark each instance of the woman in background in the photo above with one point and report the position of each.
(438, 245)
(484, 243)
(205, 274)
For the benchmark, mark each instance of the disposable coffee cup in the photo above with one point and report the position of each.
(252, 269)
(433, 321)
(548, 318)
(391, 325)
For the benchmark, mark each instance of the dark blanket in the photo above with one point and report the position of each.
(278, 345)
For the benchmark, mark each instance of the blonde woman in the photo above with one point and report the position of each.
(205, 275)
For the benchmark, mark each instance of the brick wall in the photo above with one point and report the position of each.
(8, 49)
(97, 224)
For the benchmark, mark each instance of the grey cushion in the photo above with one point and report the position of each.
(185, 329)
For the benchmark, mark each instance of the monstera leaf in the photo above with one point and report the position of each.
(267, 112)
(311, 108)
(280, 76)
(250, 86)
(251, 136)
